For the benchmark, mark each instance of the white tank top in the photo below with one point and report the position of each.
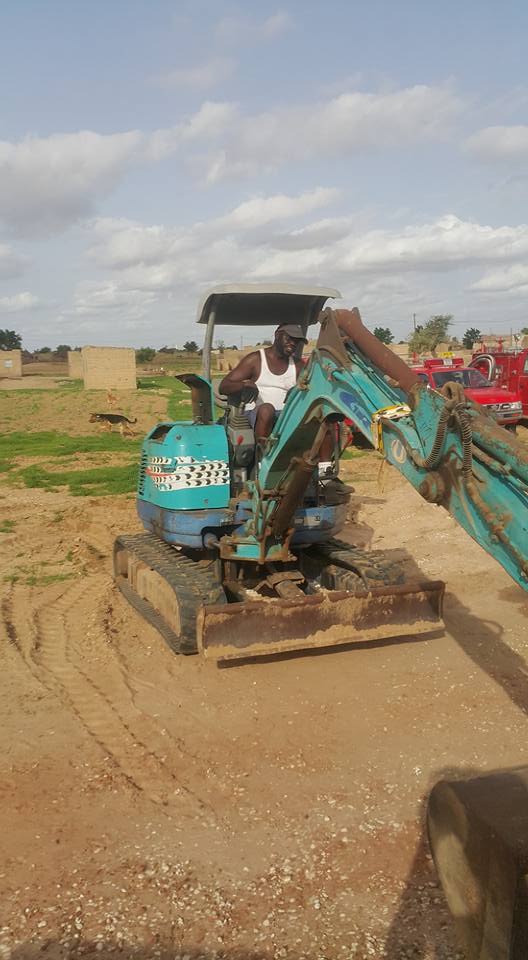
(273, 387)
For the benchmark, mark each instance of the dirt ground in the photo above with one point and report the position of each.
(28, 382)
(156, 806)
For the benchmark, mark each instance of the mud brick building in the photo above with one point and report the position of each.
(109, 368)
(75, 364)
(10, 363)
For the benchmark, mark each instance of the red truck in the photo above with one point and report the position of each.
(504, 404)
(505, 368)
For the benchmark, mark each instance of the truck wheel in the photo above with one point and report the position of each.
(512, 427)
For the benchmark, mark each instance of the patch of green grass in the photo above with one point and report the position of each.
(6, 466)
(351, 454)
(51, 444)
(35, 579)
(176, 410)
(94, 482)
(45, 579)
(7, 526)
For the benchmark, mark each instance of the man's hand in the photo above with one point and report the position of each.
(249, 391)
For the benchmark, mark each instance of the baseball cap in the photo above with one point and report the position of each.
(293, 330)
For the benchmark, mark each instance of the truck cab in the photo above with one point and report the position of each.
(507, 369)
(505, 405)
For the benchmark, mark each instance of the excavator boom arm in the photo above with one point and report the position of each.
(447, 447)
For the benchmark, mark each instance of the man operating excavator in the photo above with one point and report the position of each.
(263, 379)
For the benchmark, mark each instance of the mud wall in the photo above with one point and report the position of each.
(106, 368)
(10, 363)
(75, 364)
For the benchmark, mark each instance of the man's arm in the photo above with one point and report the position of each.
(242, 378)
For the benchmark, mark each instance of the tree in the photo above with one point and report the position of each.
(9, 340)
(44, 350)
(426, 338)
(167, 350)
(220, 346)
(383, 334)
(145, 354)
(470, 337)
(62, 351)
(190, 346)
(524, 331)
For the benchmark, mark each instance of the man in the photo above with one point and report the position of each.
(264, 377)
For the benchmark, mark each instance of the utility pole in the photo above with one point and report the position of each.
(414, 321)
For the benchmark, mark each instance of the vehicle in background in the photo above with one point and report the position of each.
(505, 368)
(504, 404)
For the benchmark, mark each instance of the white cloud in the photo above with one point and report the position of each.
(48, 183)
(11, 263)
(122, 244)
(507, 280)
(18, 303)
(151, 276)
(499, 144)
(264, 210)
(446, 243)
(200, 77)
(276, 24)
(252, 242)
(92, 299)
(342, 126)
(51, 182)
(238, 29)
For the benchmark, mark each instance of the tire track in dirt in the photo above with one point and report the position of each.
(52, 630)
(114, 684)
(7, 619)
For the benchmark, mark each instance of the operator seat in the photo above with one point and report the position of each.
(240, 433)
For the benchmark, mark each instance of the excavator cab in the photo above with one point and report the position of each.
(249, 306)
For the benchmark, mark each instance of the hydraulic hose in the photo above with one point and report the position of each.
(455, 396)
(433, 458)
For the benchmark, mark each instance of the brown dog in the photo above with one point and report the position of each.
(109, 420)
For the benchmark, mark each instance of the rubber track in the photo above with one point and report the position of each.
(193, 582)
(337, 578)
(374, 568)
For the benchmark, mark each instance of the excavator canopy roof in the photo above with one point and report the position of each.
(259, 304)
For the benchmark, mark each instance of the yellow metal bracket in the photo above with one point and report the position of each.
(386, 413)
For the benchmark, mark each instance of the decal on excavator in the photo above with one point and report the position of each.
(181, 473)
(356, 411)
(398, 451)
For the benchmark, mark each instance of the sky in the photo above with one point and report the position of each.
(152, 149)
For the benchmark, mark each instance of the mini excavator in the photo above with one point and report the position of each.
(240, 555)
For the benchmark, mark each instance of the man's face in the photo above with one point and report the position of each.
(286, 345)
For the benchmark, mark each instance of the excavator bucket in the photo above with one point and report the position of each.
(327, 618)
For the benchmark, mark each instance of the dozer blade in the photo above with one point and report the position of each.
(328, 618)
